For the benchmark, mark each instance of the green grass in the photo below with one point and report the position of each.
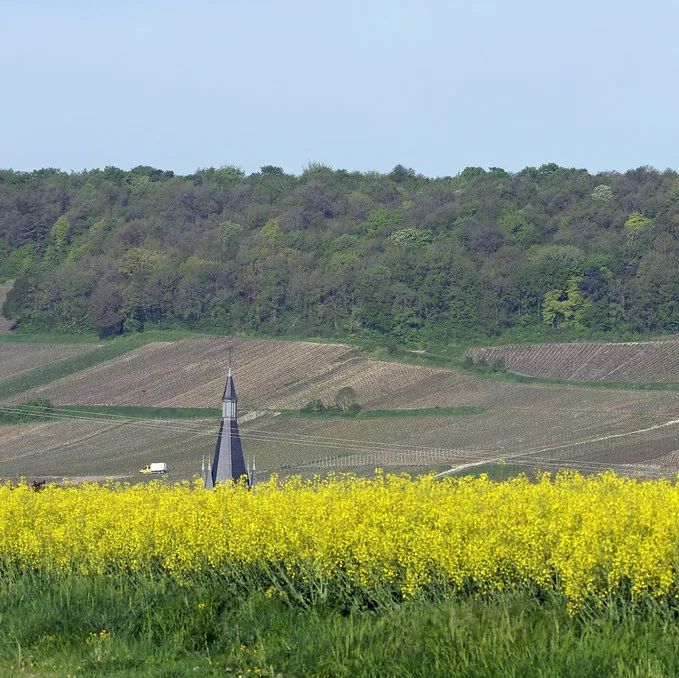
(134, 412)
(23, 411)
(48, 338)
(606, 385)
(385, 414)
(544, 334)
(135, 625)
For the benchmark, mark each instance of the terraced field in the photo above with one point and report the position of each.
(651, 361)
(274, 375)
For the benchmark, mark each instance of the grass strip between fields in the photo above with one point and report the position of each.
(48, 338)
(606, 385)
(164, 413)
(386, 414)
(134, 412)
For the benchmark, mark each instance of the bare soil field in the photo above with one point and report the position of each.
(16, 358)
(191, 373)
(648, 361)
(269, 374)
(545, 426)
(542, 425)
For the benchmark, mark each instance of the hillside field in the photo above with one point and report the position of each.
(636, 361)
(16, 358)
(533, 425)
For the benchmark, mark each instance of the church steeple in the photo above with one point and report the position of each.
(229, 398)
(229, 463)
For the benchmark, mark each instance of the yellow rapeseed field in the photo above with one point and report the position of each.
(585, 536)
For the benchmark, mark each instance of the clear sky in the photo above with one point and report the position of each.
(361, 85)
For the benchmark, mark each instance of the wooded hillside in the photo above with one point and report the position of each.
(396, 257)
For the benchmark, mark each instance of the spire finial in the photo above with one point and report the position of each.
(251, 474)
(229, 352)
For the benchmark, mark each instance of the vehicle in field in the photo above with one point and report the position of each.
(154, 467)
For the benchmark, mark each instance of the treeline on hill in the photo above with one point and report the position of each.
(385, 257)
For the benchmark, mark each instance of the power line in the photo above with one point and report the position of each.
(347, 445)
(372, 450)
(256, 434)
(350, 448)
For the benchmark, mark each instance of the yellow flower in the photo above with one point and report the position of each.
(588, 537)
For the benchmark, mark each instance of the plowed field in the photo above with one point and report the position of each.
(546, 426)
(192, 374)
(269, 374)
(651, 361)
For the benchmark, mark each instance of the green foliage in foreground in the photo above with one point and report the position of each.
(143, 626)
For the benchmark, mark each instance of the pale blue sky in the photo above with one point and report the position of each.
(358, 85)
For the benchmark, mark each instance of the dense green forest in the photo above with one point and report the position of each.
(395, 257)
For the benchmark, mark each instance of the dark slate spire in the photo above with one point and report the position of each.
(230, 388)
(229, 463)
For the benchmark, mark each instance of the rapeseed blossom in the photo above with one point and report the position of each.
(588, 537)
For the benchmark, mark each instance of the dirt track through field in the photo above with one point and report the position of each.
(567, 446)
